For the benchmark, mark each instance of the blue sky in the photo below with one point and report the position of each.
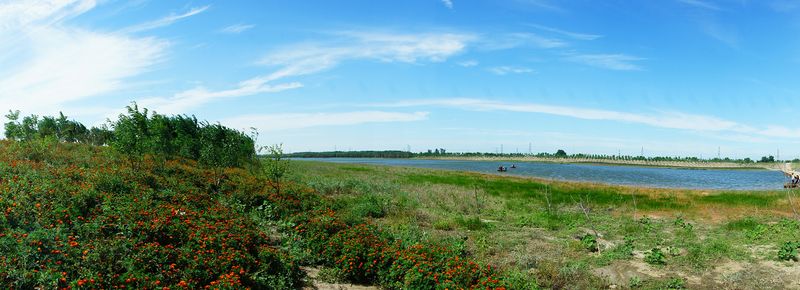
(676, 77)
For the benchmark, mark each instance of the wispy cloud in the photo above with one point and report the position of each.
(700, 4)
(448, 4)
(308, 58)
(661, 119)
(543, 4)
(574, 35)
(468, 63)
(504, 70)
(186, 100)
(53, 63)
(719, 32)
(621, 62)
(519, 39)
(237, 28)
(293, 121)
(166, 21)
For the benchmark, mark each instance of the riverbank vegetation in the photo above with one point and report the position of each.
(548, 234)
(561, 156)
(173, 203)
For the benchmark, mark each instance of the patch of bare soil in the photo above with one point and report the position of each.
(727, 275)
(315, 284)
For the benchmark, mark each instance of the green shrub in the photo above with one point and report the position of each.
(589, 242)
(655, 257)
(788, 251)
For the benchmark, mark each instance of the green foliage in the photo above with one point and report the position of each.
(78, 217)
(275, 166)
(589, 242)
(138, 133)
(58, 128)
(635, 282)
(655, 257)
(788, 251)
(675, 283)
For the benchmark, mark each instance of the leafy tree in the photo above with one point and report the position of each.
(561, 153)
(131, 133)
(276, 165)
(13, 127)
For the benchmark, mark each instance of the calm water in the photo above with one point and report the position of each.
(622, 175)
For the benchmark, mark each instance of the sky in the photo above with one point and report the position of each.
(666, 78)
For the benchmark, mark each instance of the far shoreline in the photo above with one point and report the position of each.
(640, 163)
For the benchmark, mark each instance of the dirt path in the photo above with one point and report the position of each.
(313, 275)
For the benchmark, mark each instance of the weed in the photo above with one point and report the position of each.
(655, 257)
(788, 251)
(589, 242)
(635, 282)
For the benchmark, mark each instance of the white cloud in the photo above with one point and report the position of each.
(504, 70)
(607, 61)
(237, 28)
(196, 97)
(519, 39)
(172, 18)
(545, 4)
(700, 4)
(45, 63)
(448, 4)
(468, 63)
(311, 58)
(575, 35)
(670, 120)
(290, 121)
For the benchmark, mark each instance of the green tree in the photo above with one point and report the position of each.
(131, 133)
(561, 153)
(13, 127)
(276, 165)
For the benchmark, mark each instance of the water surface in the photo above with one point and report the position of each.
(739, 179)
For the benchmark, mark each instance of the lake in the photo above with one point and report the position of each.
(739, 179)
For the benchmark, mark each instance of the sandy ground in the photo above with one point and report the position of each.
(313, 274)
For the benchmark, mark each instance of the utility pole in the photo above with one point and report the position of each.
(530, 149)
(501, 148)
(642, 154)
(335, 148)
(408, 148)
(719, 150)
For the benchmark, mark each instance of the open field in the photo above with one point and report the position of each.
(577, 235)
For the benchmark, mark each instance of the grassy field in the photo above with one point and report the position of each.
(568, 235)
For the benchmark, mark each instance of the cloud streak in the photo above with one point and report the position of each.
(669, 120)
(448, 4)
(293, 121)
(622, 62)
(52, 63)
(312, 58)
(199, 96)
(700, 4)
(573, 35)
(237, 28)
(166, 21)
(504, 70)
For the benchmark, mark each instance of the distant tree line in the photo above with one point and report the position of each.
(560, 153)
(59, 128)
(138, 132)
(354, 154)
